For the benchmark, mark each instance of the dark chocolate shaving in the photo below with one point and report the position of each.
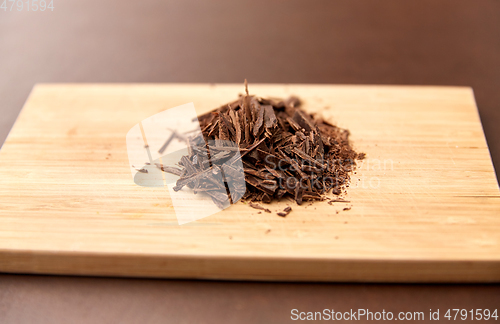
(259, 207)
(167, 143)
(285, 152)
(285, 212)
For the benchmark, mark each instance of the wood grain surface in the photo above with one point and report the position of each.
(424, 204)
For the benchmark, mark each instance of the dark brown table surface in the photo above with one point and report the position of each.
(431, 42)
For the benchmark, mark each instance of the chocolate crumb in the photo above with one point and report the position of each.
(259, 207)
(337, 200)
(285, 212)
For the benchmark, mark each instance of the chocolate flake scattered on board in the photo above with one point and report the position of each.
(285, 212)
(259, 207)
(142, 170)
(285, 152)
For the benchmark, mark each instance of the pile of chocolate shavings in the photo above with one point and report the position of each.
(284, 152)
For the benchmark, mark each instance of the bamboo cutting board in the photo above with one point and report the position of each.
(425, 204)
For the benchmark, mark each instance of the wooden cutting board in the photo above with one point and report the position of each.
(425, 204)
